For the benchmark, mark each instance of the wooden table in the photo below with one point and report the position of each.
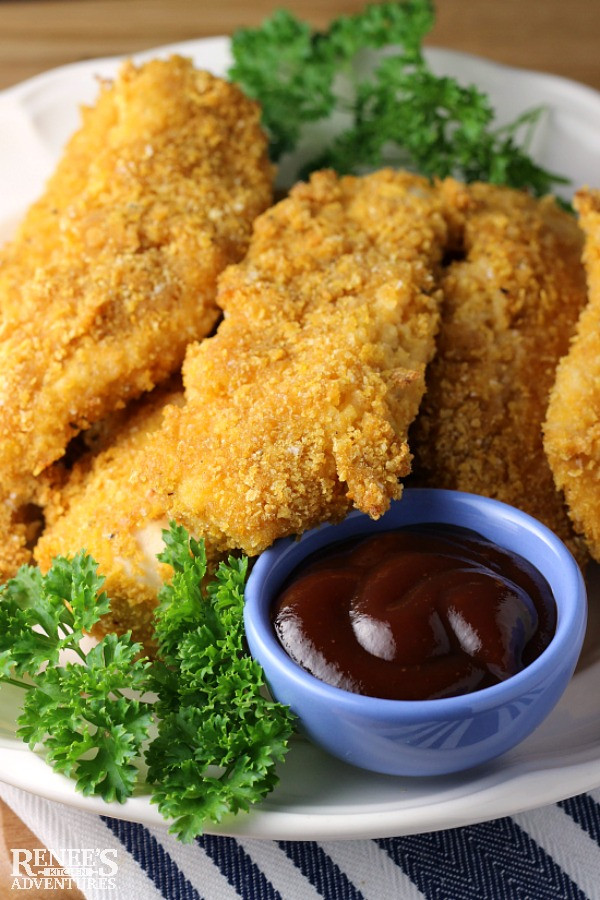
(550, 35)
(35, 35)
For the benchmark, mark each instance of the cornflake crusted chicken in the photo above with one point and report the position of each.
(572, 428)
(113, 271)
(304, 395)
(299, 407)
(95, 505)
(511, 300)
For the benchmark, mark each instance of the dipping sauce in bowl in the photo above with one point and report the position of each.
(448, 732)
(415, 614)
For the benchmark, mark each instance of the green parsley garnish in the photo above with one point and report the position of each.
(368, 77)
(217, 737)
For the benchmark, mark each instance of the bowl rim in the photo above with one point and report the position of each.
(571, 606)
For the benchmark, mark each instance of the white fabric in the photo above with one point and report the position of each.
(439, 865)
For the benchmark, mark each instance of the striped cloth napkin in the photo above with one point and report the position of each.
(552, 853)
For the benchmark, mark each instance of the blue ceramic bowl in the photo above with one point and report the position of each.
(429, 737)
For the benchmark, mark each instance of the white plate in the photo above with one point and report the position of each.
(319, 797)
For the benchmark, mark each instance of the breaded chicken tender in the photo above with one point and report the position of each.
(298, 408)
(512, 295)
(153, 197)
(113, 271)
(572, 427)
(95, 506)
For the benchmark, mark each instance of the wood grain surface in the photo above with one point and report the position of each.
(35, 35)
(14, 835)
(550, 35)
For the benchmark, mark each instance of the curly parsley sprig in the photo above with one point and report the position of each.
(218, 738)
(368, 76)
(91, 730)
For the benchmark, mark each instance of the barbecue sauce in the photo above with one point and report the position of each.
(415, 614)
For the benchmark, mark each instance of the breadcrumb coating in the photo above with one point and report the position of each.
(572, 427)
(295, 410)
(113, 272)
(153, 197)
(298, 408)
(96, 507)
(511, 300)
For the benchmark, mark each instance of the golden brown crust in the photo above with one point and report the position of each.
(510, 306)
(298, 408)
(572, 427)
(308, 386)
(95, 507)
(113, 271)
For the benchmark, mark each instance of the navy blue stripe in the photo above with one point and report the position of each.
(586, 812)
(238, 868)
(324, 875)
(493, 861)
(153, 859)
